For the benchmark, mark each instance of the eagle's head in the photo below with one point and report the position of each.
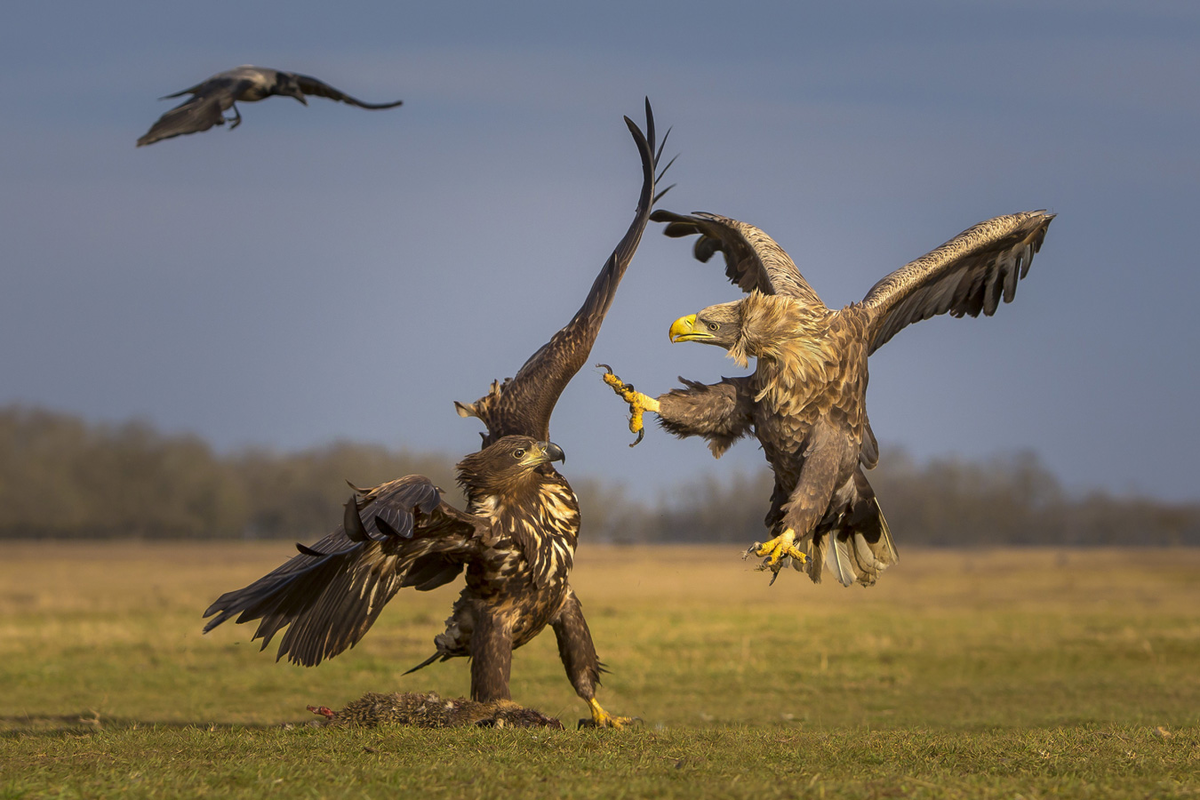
(754, 326)
(720, 325)
(506, 465)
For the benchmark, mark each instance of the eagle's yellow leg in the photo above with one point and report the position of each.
(777, 552)
(639, 403)
(602, 719)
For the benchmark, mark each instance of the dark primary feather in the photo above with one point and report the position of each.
(523, 404)
(200, 112)
(970, 273)
(400, 534)
(310, 85)
(753, 261)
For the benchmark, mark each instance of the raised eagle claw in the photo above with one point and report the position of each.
(779, 553)
(638, 402)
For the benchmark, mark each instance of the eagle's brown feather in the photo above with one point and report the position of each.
(523, 404)
(516, 540)
(753, 261)
(967, 275)
(806, 400)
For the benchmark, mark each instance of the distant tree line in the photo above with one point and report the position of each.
(61, 477)
(943, 502)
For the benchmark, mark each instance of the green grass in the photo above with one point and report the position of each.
(963, 674)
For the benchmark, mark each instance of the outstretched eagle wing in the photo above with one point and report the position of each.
(968, 274)
(398, 534)
(753, 261)
(204, 109)
(523, 404)
(310, 85)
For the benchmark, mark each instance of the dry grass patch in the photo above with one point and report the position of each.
(962, 674)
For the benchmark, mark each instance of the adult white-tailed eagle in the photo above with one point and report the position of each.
(806, 399)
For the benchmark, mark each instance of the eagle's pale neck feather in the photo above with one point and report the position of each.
(790, 341)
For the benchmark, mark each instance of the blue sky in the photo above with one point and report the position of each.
(327, 272)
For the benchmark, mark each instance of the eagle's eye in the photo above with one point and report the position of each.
(712, 326)
(519, 452)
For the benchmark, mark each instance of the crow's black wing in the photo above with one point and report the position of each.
(310, 85)
(204, 109)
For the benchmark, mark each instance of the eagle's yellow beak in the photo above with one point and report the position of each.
(684, 330)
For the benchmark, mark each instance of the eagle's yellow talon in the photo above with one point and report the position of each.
(602, 719)
(639, 403)
(778, 553)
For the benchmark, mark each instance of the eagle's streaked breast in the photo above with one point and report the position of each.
(535, 534)
(484, 506)
(558, 514)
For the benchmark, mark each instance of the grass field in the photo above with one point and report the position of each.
(1029, 673)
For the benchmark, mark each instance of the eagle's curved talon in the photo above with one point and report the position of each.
(639, 403)
(778, 553)
(602, 719)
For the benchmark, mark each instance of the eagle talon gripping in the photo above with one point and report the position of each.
(639, 403)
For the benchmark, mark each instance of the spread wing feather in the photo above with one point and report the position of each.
(753, 261)
(398, 534)
(970, 273)
(523, 404)
(310, 85)
(204, 109)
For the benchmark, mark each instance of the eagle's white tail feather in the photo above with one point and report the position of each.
(860, 549)
(841, 561)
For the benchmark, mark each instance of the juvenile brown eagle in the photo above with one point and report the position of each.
(516, 540)
(211, 98)
(806, 399)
